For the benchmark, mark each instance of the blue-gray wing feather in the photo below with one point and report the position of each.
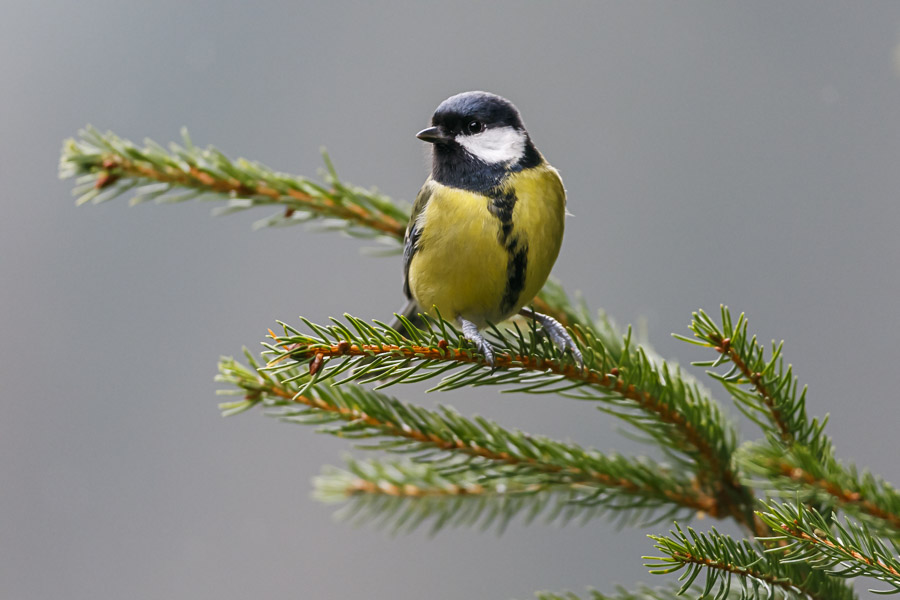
(413, 233)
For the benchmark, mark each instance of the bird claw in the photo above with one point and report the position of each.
(554, 329)
(556, 332)
(470, 331)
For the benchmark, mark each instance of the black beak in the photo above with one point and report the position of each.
(432, 135)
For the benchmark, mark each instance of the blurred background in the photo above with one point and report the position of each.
(738, 153)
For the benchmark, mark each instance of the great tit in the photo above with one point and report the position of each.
(487, 224)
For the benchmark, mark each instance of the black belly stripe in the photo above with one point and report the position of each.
(516, 266)
(501, 206)
(502, 203)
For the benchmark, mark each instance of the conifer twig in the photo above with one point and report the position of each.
(827, 483)
(442, 345)
(422, 433)
(404, 494)
(107, 166)
(804, 454)
(843, 550)
(724, 559)
(763, 388)
(654, 398)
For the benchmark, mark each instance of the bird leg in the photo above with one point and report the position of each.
(556, 332)
(472, 334)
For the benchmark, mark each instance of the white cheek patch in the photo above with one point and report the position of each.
(495, 145)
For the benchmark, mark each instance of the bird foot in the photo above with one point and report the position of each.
(556, 332)
(473, 335)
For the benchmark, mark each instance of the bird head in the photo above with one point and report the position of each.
(477, 136)
(486, 126)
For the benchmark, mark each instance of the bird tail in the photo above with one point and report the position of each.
(410, 312)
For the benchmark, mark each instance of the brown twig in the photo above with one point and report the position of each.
(364, 486)
(813, 541)
(692, 498)
(841, 495)
(115, 167)
(724, 346)
(781, 582)
(726, 484)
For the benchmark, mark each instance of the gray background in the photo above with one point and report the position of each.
(745, 153)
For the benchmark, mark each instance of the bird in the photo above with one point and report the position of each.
(487, 225)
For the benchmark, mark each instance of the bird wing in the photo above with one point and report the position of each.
(413, 231)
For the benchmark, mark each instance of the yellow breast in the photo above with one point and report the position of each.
(472, 260)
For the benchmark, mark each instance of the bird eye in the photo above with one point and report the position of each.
(474, 127)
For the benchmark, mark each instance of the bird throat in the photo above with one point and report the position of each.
(453, 166)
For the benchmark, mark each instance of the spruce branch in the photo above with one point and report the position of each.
(443, 438)
(724, 560)
(797, 457)
(843, 550)
(826, 483)
(764, 389)
(655, 398)
(403, 495)
(107, 166)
